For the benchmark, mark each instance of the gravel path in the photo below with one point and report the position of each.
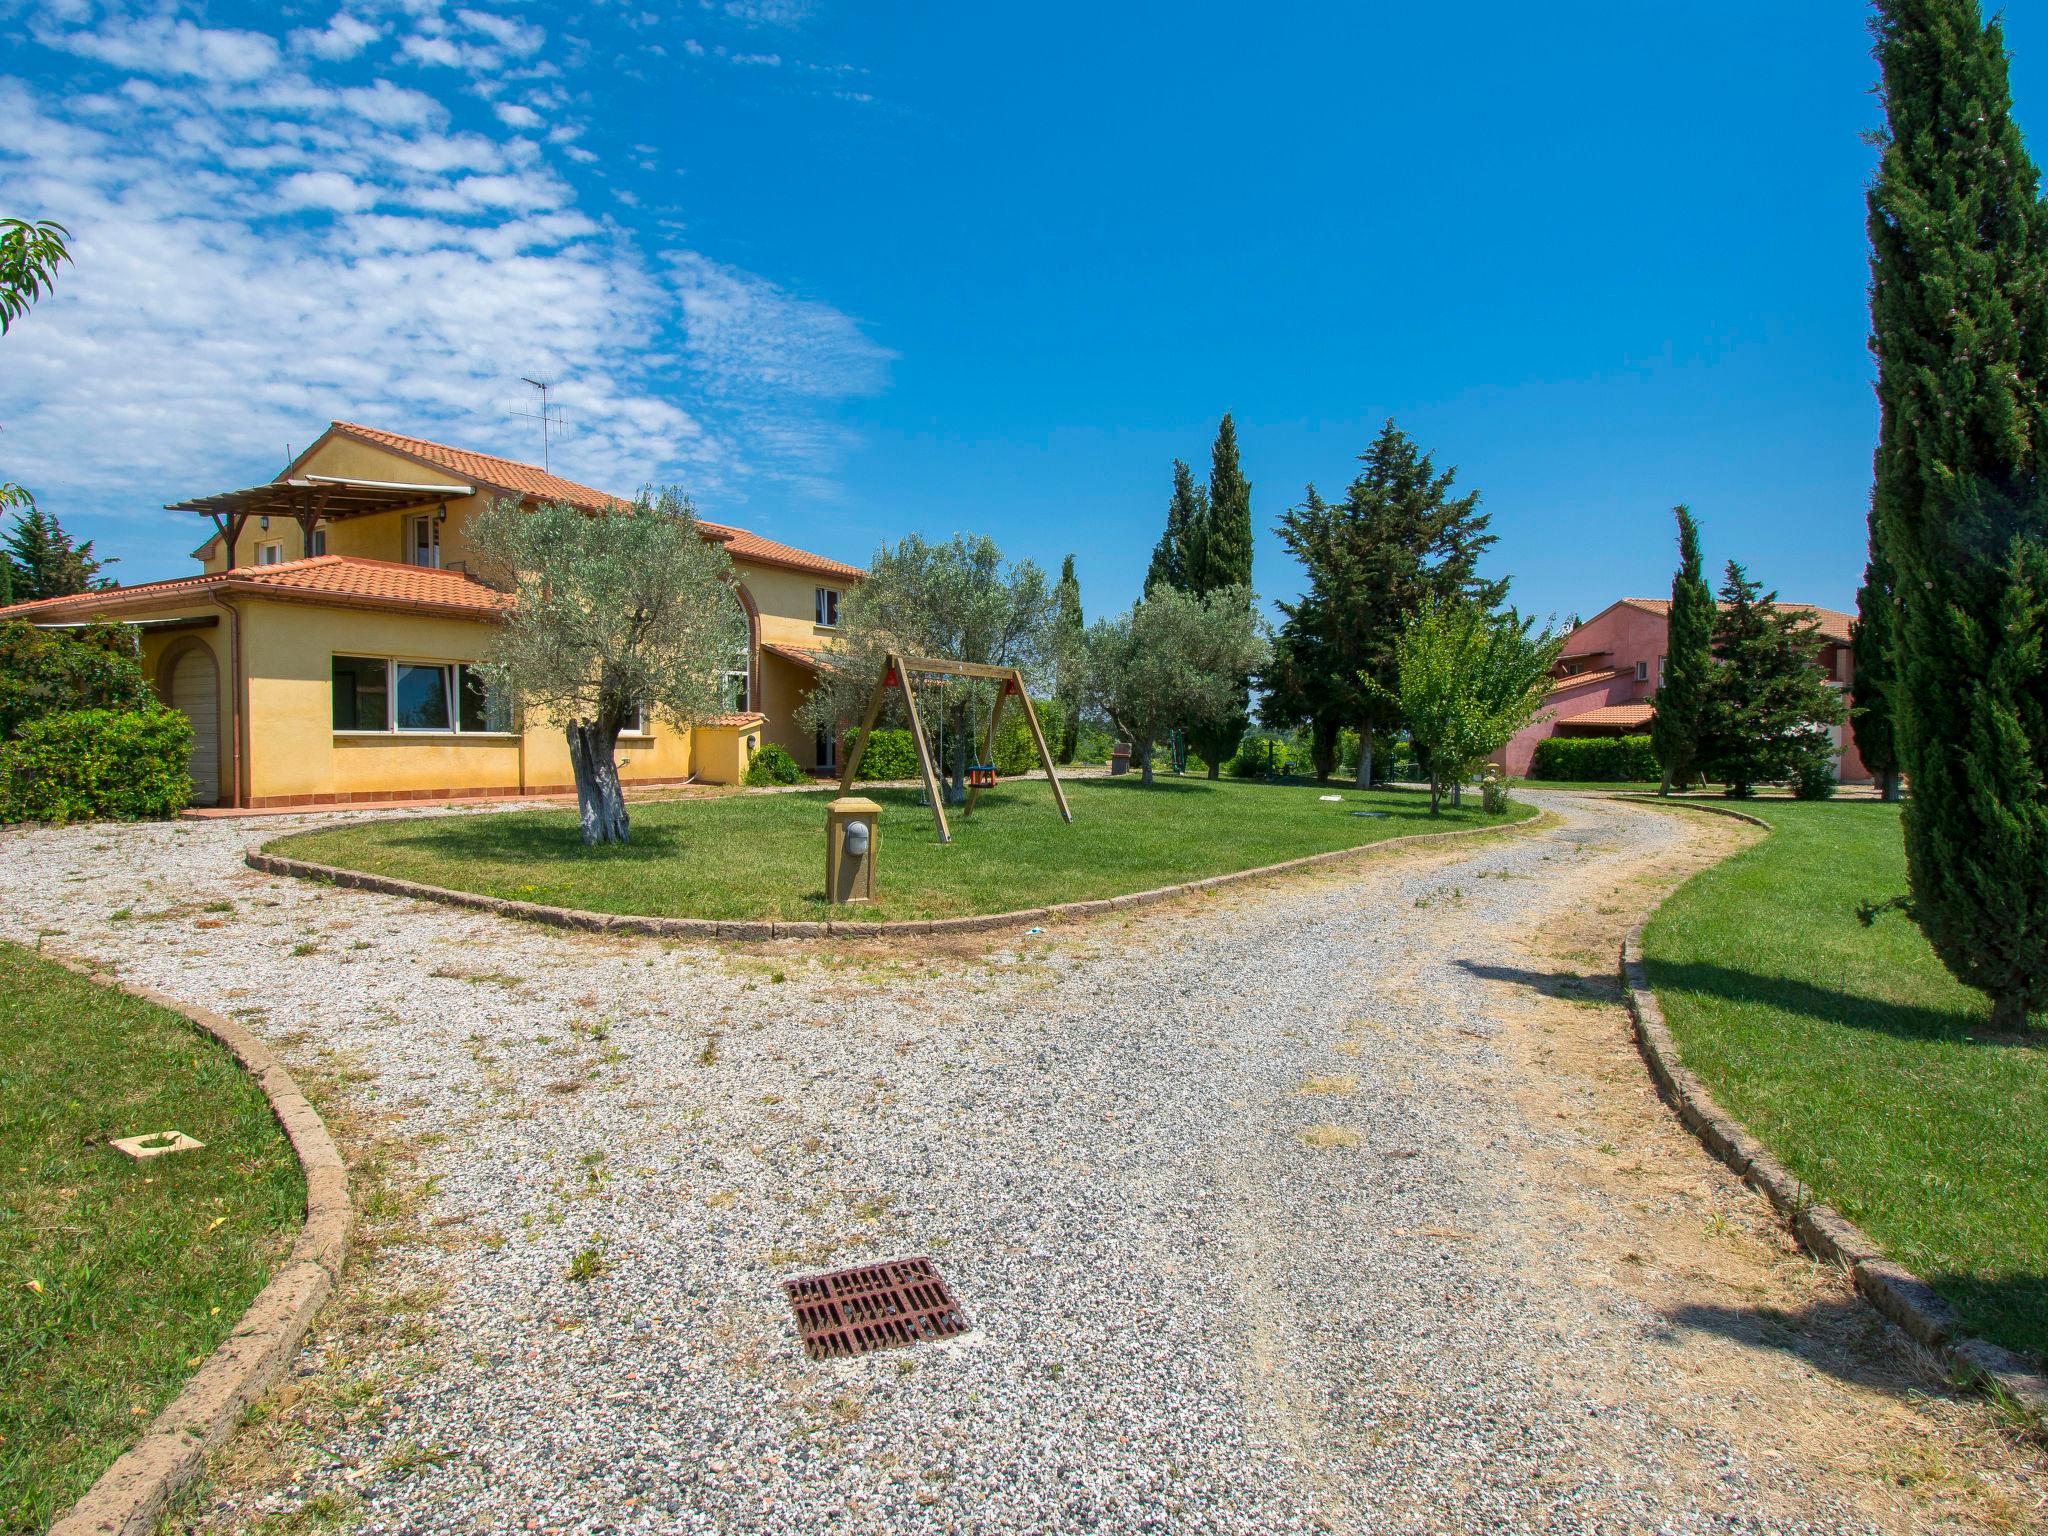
(1247, 1202)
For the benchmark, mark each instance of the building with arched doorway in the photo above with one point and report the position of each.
(325, 652)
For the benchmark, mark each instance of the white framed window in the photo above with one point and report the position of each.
(1662, 663)
(270, 553)
(828, 750)
(1642, 671)
(423, 540)
(639, 722)
(390, 695)
(739, 686)
(828, 607)
(316, 542)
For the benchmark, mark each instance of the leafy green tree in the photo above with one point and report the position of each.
(1959, 329)
(1179, 551)
(30, 254)
(958, 600)
(1874, 636)
(628, 611)
(1680, 720)
(42, 561)
(1399, 541)
(1070, 658)
(53, 672)
(1173, 657)
(1465, 680)
(1769, 705)
(1223, 559)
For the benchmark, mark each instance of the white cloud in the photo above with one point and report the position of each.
(161, 45)
(343, 37)
(260, 250)
(512, 115)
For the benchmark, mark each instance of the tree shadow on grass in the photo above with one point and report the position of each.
(481, 844)
(1830, 1005)
(1848, 1339)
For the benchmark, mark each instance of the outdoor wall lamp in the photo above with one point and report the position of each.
(263, 522)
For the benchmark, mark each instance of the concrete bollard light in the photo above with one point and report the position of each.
(853, 838)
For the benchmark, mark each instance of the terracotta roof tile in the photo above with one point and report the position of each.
(1834, 624)
(806, 656)
(340, 579)
(1612, 714)
(1580, 679)
(742, 719)
(742, 545)
(500, 474)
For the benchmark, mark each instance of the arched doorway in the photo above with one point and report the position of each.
(190, 683)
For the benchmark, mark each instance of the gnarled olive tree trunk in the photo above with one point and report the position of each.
(599, 801)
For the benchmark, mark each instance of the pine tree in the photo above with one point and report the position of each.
(1768, 704)
(1676, 728)
(1186, 512)
(1399, 540)
(1070, 636)
(1959, 329)
(1220, 558)
(45, 563)
(1874, 637)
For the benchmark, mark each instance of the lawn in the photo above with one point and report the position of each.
(117, 1277)
(763, 856)
(1854, 1056)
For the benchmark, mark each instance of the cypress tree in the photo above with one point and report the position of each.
(1186, 511)
(1873, 637)
(1768, 703)
(1070, 636)
(1222, 557)
(45, 562)
(1959, 329)
(1680, 720)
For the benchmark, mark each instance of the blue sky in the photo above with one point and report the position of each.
(851, 271)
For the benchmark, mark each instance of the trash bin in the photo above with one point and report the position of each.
(1120, 758)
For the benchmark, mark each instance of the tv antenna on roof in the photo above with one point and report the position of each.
(548, 416)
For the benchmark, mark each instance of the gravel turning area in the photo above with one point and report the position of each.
(1332, 1203)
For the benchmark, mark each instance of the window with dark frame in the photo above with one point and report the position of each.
(828, 607)
(479, 708)
(361, 693)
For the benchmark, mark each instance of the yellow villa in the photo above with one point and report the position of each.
(324, 653)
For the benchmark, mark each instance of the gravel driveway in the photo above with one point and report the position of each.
(1262, 1210)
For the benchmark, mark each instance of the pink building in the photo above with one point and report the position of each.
(1612, 663)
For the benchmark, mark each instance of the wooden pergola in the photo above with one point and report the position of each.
(313, 499)
(896, 673)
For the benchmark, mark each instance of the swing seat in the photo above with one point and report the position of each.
(981, 775)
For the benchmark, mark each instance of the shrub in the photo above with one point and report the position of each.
(1015, 752)
(773, 765)
(1595, 759)
(1259, 754)
(889, 755)
(1813, 768)
(97, 764)
(44, 672)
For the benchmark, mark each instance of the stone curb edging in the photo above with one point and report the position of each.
(758, 932)
(1893, 1290)
(130, 1495)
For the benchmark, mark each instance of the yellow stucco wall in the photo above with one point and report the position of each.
(724, 752)
(379, 536)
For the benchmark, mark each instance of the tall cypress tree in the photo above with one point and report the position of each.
(1186, 511)
(1874, 638)
(1223, 558)
(1959, 328)
(1070, 637)
(1680, 720)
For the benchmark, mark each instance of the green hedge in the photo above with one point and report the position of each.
(889, 755)
(773, 765)
(97, 764)
(1596, 759)
(1015, 752)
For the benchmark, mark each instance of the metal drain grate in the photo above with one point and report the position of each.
(877, 1306)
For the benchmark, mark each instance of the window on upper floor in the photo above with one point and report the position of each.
(423, 540)
(828, 607)
(270, 554)
(316, 542)
(1642, 671)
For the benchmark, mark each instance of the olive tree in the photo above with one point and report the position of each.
(611, 614)
(958, 600)
(1466, 680)
(1173, 657)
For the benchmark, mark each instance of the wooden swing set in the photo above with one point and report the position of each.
(897, 672)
